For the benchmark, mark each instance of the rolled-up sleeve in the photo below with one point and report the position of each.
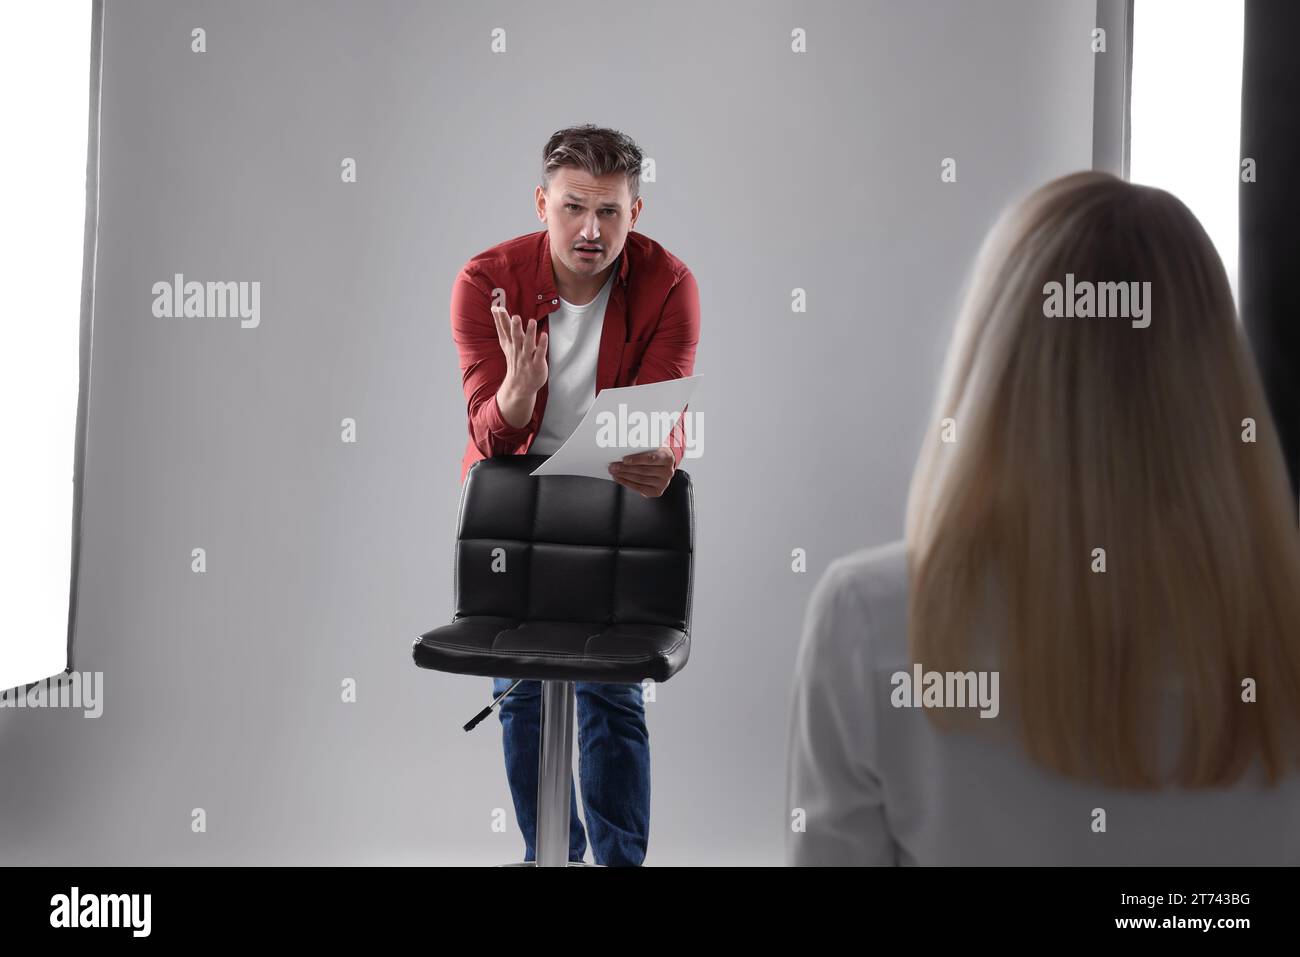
(832, 788)
(482, 367)
(671, 352)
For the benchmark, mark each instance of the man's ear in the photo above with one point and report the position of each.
(540, 199)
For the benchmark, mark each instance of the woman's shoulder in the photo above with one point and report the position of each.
(862, 599)
(877, 571)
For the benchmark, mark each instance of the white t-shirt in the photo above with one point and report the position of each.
(880, 784)
(572, 348)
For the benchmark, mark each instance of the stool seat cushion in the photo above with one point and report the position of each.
(553, 650)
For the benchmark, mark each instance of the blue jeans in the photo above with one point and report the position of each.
(613, 765)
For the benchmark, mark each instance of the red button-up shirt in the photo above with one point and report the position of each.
(650, 331)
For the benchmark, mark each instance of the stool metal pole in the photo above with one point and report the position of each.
(555, 774)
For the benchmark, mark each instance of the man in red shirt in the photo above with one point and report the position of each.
(628, 307)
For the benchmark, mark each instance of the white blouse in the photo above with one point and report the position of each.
(869, 782)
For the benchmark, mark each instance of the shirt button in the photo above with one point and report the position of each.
(555, 302)
(539, 295)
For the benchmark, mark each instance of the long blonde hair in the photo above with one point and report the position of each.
(1068, 435)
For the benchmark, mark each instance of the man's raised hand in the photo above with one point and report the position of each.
(525, 353)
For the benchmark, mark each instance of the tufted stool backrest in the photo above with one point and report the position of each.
(572, 548)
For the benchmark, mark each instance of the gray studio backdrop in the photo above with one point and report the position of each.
(775, 170)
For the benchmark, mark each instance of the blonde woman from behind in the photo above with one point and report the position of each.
(1087, 648)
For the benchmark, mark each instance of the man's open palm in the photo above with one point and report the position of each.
(525, 351)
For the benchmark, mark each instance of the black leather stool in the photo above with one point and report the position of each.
(564, 578)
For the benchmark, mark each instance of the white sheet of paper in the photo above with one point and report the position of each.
(582, 452)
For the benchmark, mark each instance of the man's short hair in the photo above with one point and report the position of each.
(595, 149)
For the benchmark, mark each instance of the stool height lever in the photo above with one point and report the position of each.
(488, 710)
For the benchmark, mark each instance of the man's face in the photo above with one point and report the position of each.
(584, 210)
